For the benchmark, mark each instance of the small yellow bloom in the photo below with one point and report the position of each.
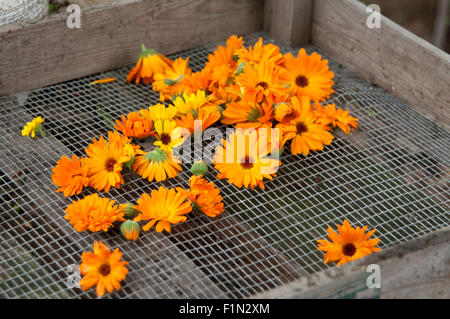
(159, 112)
(33, 127)
(170, 136)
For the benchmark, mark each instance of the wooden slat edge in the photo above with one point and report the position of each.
(288, 21)
(48, 52)
(391, 57)
(415, 269)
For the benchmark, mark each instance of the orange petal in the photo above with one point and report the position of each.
(107, 80)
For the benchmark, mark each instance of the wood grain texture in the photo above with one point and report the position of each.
(419, 268)
(48, 52)
(391, 57)
(288, 21)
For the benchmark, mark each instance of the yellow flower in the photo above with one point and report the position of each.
(34, 126)
(191, 102)
(170, 136)
(165, 206)
(159, 112)
(102, 268)
(350, 244)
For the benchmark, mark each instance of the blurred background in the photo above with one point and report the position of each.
(429, 19)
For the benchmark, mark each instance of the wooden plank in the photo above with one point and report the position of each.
(47, 52)
(288, 21)
(391, 57)
(415, 269)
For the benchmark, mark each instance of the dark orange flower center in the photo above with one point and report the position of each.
(247, 163)
(349, 249)
(263, 84)
(109, 165)
(290, 116)
(104, 270)
(165, 138)
(301, 81)
(301, 128)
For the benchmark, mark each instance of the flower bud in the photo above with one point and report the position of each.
(128, 210)
(130, 229)
(130, 153)
(199, 168)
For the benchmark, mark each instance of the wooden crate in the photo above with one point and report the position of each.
(36, 55)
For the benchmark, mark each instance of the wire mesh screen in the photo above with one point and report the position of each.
(391, 174)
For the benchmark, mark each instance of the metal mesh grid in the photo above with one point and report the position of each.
(12, 11)
(391, 174)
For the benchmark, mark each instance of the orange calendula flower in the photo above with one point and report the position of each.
(205, 196)
(164, 207)
(306, 133)
(105, 161)
(225, 54)
(261, 80)
(156, 165)
(34, 126)
(244, 159)
(350, 244)
(246, 114)
(134, 125)
(201, 122)
(70, 175)
(259, 52)
(329, 115)
(308, 75)
(150, 63)
(103, 269)
(107, 80)
(93, 213)
(285, 113)
(196, 82)
(168, 83)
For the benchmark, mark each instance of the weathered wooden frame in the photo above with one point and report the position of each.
(48, 52)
